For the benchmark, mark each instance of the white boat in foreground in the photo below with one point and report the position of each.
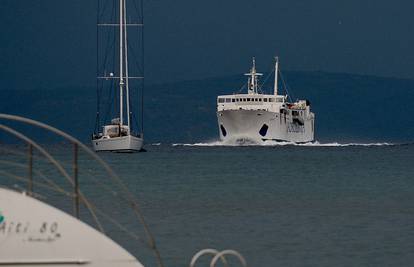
(256, 117)
(34, 233)
(38, 190)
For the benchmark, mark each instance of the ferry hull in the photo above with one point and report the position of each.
(257, 126)
(127, 143)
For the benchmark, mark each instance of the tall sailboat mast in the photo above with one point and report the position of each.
(120, 134)
(126, 67)
(121, 59)
(143, 68)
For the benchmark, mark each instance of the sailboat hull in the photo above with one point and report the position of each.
(127, 143)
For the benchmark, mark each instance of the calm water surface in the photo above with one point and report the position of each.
(278, 206)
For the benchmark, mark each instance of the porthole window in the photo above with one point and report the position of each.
(263, 130)
(223, 130)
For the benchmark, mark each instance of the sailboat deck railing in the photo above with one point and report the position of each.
(35, 167)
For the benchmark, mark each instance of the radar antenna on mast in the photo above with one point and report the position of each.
(252, 83)
(276, 74)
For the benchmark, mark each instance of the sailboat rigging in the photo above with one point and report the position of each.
(121, 132)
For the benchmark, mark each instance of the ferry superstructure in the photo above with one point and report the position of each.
(256, 117)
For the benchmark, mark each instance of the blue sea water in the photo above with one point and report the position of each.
(283, 205)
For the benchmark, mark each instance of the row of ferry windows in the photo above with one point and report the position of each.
(228, 100)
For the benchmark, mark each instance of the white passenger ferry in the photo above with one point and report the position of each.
(257, 117)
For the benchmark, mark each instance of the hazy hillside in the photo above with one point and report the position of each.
(348, 107)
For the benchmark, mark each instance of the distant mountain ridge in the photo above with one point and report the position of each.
(348, 107)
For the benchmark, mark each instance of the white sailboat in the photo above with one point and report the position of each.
(118, 135)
